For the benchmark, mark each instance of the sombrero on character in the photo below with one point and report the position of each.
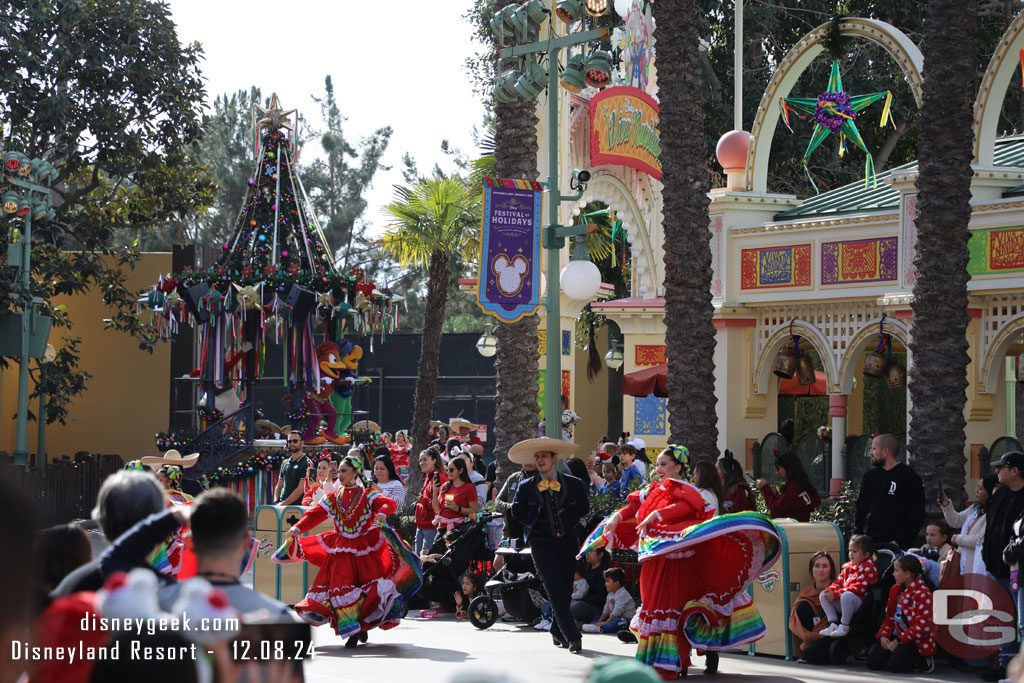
(522, 453)
(457, 423)
(365, 426)
(268, 426)
(437, 423)
(171, 457)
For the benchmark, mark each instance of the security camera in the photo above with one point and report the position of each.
(580, 178)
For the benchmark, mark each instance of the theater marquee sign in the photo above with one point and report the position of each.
(624, 130)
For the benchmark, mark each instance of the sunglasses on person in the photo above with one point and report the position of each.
(294, 440)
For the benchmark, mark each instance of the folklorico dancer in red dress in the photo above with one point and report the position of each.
(366, 570)
(695, 568)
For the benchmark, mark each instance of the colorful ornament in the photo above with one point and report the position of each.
(834, 111)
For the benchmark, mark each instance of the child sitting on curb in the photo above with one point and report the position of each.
(906, 640)
(618, 606)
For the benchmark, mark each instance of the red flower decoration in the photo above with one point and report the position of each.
(271, 269)
(247, 272)
(365, 287)
(294, 269)
(220, 270)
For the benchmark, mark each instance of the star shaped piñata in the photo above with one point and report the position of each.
(835, 111)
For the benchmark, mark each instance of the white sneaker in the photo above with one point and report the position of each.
(590, 628)
(828, 630)
(542, 625)
(841, 631)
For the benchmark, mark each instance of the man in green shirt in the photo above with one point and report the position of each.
(293, 469)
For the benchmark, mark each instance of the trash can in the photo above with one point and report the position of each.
(777, 587)
(285, 582)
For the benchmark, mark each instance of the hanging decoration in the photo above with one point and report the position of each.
(835, 111)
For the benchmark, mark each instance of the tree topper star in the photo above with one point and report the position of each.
(273, 117)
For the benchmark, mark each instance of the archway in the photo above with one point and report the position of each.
(992, 91)
(796, 61)
(992, 366)
(781, 339)
(865, 337)
(607, 187)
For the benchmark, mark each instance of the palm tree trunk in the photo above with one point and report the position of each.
(938, 376)
(690, 333)
(516, 362)
(439, 272)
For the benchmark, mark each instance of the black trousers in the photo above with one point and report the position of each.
(555, 560)
(900, 661)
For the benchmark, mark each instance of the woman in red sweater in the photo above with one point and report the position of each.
(905, 641)
(797, 497)
(434, 477)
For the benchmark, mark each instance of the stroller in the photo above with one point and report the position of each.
(516, 584)
(441, 578)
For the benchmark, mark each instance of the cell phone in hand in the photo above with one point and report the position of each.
(437, 477)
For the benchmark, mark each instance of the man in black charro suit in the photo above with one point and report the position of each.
(550, 505)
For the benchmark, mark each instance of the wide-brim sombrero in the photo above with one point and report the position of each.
(457, 423)
(523, 452)
(268, 425)
(171, 457)
(437, 423)
(365, 426)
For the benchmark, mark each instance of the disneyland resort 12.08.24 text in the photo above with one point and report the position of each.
(136, 649)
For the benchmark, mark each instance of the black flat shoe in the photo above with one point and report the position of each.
(352, 641)
(711, 663)
(576, 646)
(626, 636)
(558, 642)
(363, 637)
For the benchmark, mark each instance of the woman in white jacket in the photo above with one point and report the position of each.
(971, 522)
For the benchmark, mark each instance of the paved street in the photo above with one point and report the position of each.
(434, 650)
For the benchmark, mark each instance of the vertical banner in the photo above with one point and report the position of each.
(509, 284)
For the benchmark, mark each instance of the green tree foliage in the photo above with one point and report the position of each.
(226, 148)
(104, 91)
(337, 182)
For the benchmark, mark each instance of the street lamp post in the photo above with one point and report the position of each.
(555, 234)
(29, 199)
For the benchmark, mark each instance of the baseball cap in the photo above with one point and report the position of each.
(1012, 459)
(638, 444)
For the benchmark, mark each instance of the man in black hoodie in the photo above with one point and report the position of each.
(1004, 508)
(890, 507)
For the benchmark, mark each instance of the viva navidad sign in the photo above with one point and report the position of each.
(624, 130)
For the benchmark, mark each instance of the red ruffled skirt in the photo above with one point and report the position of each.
(354, 589)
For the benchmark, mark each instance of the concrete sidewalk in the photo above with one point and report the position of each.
(433, 650)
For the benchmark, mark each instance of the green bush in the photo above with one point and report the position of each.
(842, 510)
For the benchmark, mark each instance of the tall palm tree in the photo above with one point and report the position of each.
(690, 333)
(516, 362)
(431, 222)
(938, 376)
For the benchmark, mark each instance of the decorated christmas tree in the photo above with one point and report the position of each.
(276, 275)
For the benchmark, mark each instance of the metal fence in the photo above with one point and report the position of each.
(66, 489)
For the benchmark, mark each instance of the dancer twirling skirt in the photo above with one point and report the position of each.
(366, 570)
(695, 569)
